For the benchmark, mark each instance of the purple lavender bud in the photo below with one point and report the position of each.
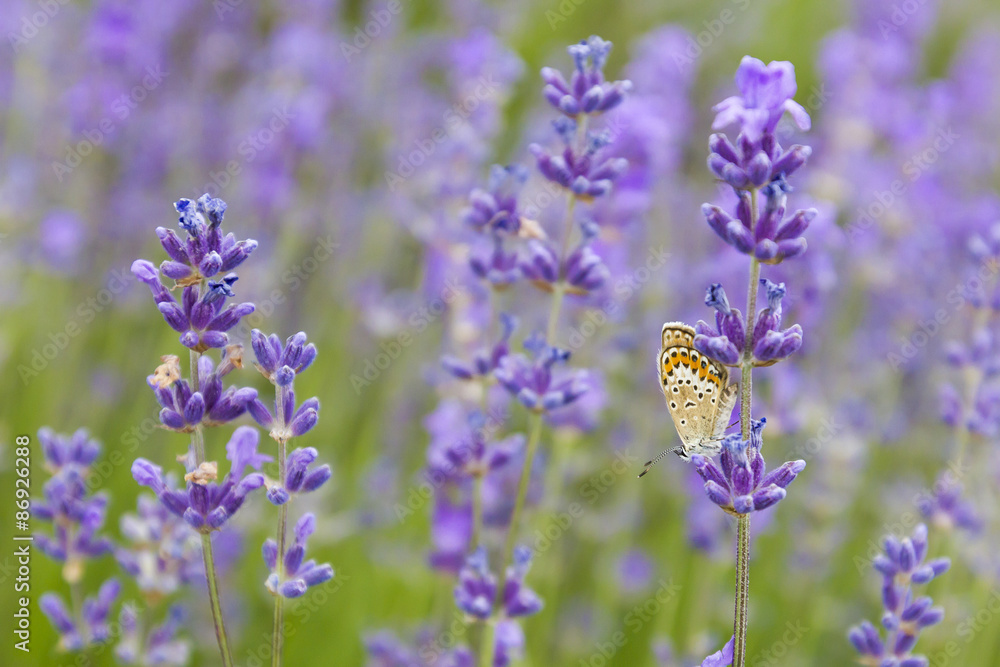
(277, 495)
(260, 413)
(303, 422)
(793, 227)
(175, 270)
(791, 160)
(195, 409)
(759, 170)
(172, 245)
(284, 376)
(718, 348)
(270, 553)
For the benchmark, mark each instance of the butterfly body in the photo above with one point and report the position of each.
(697, 391)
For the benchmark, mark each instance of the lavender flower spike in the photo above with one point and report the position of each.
(205, 504)
(295, 577)
(298, 477)
(536, 384)
(741, 485)
(476, 586)
(92, 625)
(586, 92)
(766, 93)
(901, 566)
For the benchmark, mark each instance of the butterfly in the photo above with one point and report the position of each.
(698, 394)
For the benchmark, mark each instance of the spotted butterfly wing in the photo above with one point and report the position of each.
(697, 390)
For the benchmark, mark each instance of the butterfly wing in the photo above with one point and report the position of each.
(726, 405)
(694, 386)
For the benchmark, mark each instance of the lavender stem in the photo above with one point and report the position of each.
(742, 602)
(278, 631)
(198, 443)
(487, 648)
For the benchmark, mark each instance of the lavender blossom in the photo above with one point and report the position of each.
(945, 506)
(205, 252)
(766, 93)
(76, 518)
(294, 577)
(486, 360)
(157, 645)
(164, 551)
(582, 272)
(586, 172)
(535, 384)
(494, 209)
(769, 343)
(902, 565)
(742, 485)
(758, 163)
(202, 318)
(299, 478)
(586, 92)
(477, 587)
(184, 410)
(280, 365)
(721, 658)
(91, 627)
(205, 504)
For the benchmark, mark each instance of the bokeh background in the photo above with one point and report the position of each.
(111, 111)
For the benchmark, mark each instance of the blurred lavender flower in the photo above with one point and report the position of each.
(76, 518)
(586, 172)
(477, 587)
(741, 485)
(91, 626)
(945, 506)
(165, 551)
(721, 658)
(494, 210)
(77, 450)
(205, 504)
(294, 577)
(385, 650)
(766, 93)
(901, 566)
(486, 360)
(535, 384)
(157, 645)
(582, 272)
(586, 92)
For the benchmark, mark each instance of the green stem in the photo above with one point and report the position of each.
(477, 509)
(213, 597)
(486, 649)
(742, 602)
(208, 557)
(278, 631)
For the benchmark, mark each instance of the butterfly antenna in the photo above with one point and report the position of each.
(650, 464)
